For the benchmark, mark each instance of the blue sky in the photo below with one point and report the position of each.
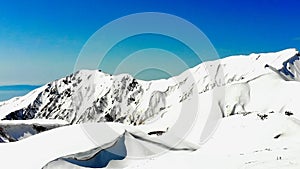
(40, 40)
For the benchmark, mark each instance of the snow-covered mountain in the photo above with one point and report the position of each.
(246, 105)
(93, 96)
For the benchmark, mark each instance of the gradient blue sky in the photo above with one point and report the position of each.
(40, 40)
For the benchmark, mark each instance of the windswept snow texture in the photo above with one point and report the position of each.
(131, 144)
(103, 157)
(237, 112)
(98, 158)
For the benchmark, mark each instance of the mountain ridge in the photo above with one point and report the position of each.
(241, 111)
(93, 96)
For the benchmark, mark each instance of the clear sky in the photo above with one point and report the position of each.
(40, 40)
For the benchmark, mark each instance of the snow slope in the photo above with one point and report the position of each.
(242, 110)
(240, 142)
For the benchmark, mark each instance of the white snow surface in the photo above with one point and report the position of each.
(236, 112)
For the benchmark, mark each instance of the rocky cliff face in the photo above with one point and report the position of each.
(92, 96)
